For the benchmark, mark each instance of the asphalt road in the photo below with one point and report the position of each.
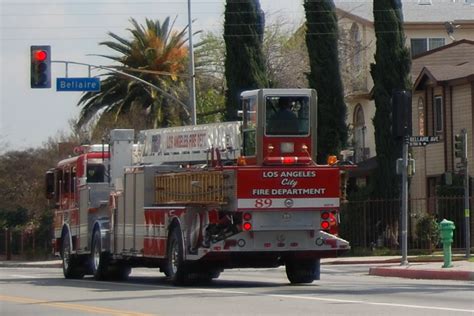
(343, 290)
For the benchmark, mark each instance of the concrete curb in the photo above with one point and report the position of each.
(429, 274)
(19, 264)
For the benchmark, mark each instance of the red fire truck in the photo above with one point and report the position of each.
(195, 200)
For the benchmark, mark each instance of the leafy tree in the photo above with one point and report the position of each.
(389, 72)
(244, 63)
(321, 40)
(13, 218)
(156, 54)
(285, 54)
(210, 79)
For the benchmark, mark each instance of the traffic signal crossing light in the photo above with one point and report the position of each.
(460, 146)
(40, 66)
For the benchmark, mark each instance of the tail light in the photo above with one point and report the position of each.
(325, 225)
(329, 222)
(247, 217)
(246, 224)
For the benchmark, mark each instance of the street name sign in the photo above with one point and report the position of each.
(85, 84)
(418, 141)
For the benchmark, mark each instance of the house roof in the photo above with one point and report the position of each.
(444, 47)
(439, 11)
(439, 74)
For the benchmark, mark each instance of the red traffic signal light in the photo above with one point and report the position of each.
(40, 66)
(40, 55)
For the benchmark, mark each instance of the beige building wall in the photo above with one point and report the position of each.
(452, 56)
(435, 159)
(438, 31)
(463, 116)
(412, 30)
(358, 94)
(418, 182)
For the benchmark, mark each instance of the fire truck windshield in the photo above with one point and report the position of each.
(286, 115)
(95, 173)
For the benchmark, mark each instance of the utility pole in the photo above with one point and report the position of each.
(467, 220)
(404, 237)
(467, 227)
(460, 151)
(192, 81)
(402, 129)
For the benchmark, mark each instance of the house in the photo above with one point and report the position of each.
(428, 25)
(442, 105)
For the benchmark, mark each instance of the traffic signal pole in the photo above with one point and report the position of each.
(111, 69)
(404, 237)
(460, 151)
(467, 221)
(402, 129)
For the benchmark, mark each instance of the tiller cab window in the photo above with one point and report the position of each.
(286, 115)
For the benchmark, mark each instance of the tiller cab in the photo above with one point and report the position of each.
(192, 201)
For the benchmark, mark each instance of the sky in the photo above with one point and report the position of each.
(73, 28)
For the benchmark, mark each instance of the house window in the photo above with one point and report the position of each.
(438, 112)
(421, 116)
(361, 152)
(421, 45)
(355, 37)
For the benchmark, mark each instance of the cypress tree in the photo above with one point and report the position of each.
(389, 72)
(244, 63)
(325, 77)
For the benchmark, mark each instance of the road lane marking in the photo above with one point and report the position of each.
(85, 308)
(22, 276)
(334, 300)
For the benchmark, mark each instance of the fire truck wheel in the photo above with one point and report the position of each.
(71, 269)
(175, 267)
(299, 272)
(98, 259)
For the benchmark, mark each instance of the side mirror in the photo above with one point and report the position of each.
(49, 184)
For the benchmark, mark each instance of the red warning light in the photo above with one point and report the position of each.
(325, 225)
(40, 55)
(247, 226)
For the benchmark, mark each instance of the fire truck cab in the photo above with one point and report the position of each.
(195, 200)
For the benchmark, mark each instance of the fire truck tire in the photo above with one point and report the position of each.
(299, 272)
(70, 263)
(98, 259)
(175, 267)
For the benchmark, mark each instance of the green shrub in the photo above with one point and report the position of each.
(428, 232)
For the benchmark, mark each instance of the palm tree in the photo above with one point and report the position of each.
(155, 54)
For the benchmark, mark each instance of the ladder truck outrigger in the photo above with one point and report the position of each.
(195, 200)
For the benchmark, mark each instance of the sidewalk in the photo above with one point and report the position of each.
(387, 266)
(417, 268)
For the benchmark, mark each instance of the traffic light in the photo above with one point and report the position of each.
(460, 146)
(40, 66)
(401, 113)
